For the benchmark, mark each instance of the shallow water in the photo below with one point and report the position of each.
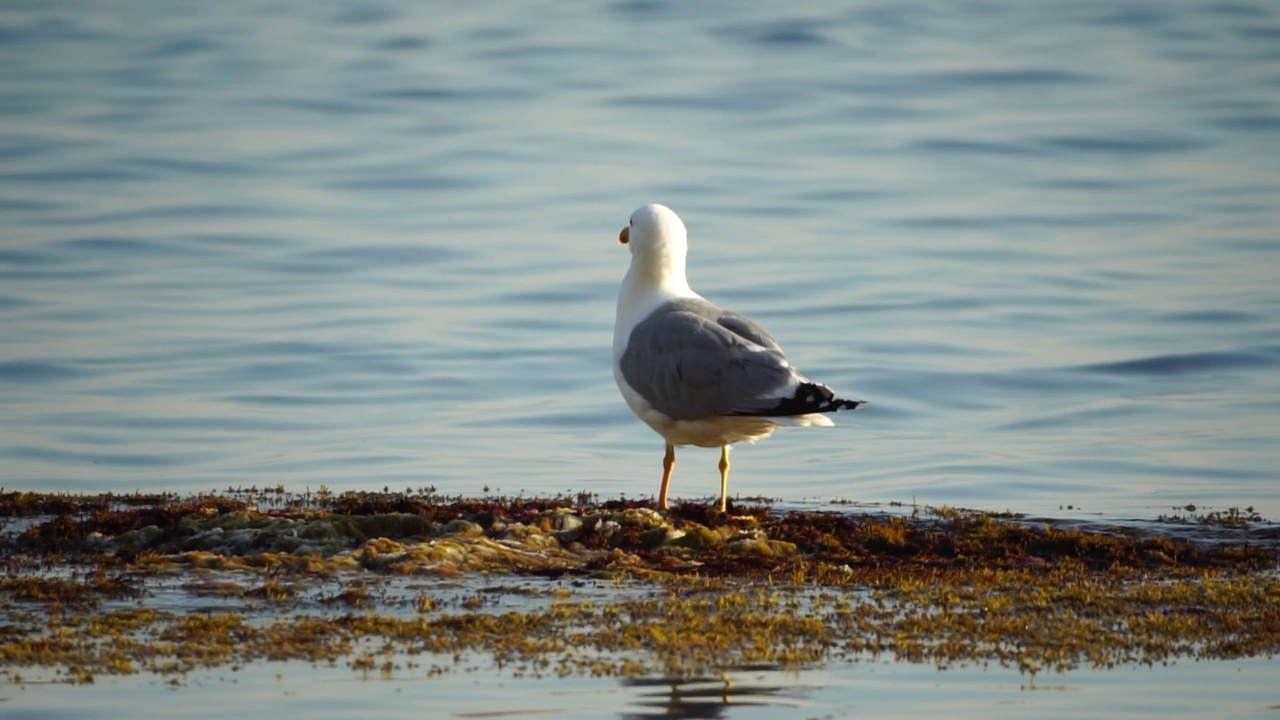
(1238, 689)
(373, 244)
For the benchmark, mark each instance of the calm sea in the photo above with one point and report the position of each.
(373, 244)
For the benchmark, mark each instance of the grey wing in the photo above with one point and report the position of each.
(689, 366)
(743, 327)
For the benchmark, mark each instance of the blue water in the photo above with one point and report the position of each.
(374, 244)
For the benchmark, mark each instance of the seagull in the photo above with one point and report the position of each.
(696, 374)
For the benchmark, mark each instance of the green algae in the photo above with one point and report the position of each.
(613, 588)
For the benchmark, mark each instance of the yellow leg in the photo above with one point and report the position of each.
(724, 475)
(668, 464)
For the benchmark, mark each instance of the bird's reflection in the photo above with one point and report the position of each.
(705, 698)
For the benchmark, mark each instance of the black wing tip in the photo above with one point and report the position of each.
(809, 398)
(842, 404)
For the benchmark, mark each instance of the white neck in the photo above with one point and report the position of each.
(644, 289)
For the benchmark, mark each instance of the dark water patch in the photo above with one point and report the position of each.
(687, 192)
(762, 210)
(1235, 9)
(21, 146)
(1249, 123)
(108, 459)
(310, 367)
(546, 53)
(921, 348)
(972, 147)
(390, 255)
(1035, 381)
(37, 371)
(990, 256)
(1263, 209)
(794, 32)
(1012, 221)
(899, 17)
(50, 29)
(116, 246)
(547, 420)
(452, 94)
(1074, 418)
(1211, 317)
(1086, 184)
(403, 42)
(344, 396)
(1266, 245)
(1127, 275)
(544, 327)
(886, 86)
(984, 469)
(187, 166)
(182, 356)
(281, 400)
(290, 348)
(1186, 363)
(74, 175)
(1100, 467)
(246, 241)
(547, 296)
(94, 420)
(265, 371)
(411, 182)
(16, 103)
(1257, 32)
(970, 390)
(840, 196)
(745, 101)
(852, 310)
(325, 106)
(364, 13)
(644, 7)
(926, 84)
(25, 205)
(24, 257)
(375, 363)
(340, 262)
(176, 212)
(33, 273)
(1083, 284)
(1010, 78)
(886, 112)
(1133, 16)
(1132, 145)
(9, 303)
(183, 47)
(147, 75)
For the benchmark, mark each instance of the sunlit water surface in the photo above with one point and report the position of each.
(373, 244)
(880, 689)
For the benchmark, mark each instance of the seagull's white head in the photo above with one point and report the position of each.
(658, 244)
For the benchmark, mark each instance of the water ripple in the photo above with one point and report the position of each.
(1119, 144)
(21, 371)
(788, 33)
(1187, 363)
(975, 147)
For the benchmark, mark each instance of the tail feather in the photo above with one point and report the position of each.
(809, 398)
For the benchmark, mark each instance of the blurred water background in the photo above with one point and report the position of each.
(373, 244)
